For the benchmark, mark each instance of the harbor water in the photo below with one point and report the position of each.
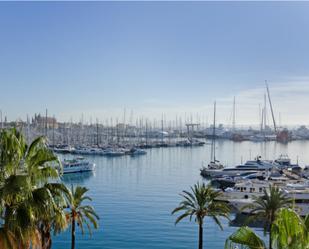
(134, 196)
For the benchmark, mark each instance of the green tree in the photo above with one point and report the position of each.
(79, 213)
(27, 199)
(201, 202)
(290, 231)
(54, 220)
(265, 207)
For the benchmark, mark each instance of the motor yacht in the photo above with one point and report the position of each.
(78, 164)
(243, 193)
(249, 166)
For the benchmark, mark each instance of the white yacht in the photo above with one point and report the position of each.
(249, 166)
(243, 192)
(78, 164)
(300, 193)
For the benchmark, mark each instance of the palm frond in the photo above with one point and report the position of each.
(244, 238)
(201, 202)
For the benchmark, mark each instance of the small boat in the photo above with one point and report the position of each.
(89, 151)
(114, 152)
(283, 160)
(136, 152)
(214, 163)
(78, 164)
(189, 143)
(66, 149)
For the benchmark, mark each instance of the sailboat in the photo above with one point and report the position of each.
(214, 163)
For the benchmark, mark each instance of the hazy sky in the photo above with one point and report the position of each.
(172, 57)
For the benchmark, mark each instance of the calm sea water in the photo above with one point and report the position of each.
(134, 196)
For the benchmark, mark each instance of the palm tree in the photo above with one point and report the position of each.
(289, 230)
(27, 200)
(245, 238)
(79, 213)
(54, 220)
(201, 202)
(266, 207)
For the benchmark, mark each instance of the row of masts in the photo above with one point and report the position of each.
(111, 126)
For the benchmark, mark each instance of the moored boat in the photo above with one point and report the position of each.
(78, 164)
(114, 152)
(136, 152)
(249, 166)
(243, 193)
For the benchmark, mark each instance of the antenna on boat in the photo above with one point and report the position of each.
(162, 129)
(265, 114)
(271, 106)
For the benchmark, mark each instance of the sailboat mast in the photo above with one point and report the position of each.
(54, 131)
(271, 106)
(162, 135)
(46, 123)
(146, 138)
(214, 134)
(97, 133)
(261, 111)
(124, 125)
(265, 113)
(234, 114)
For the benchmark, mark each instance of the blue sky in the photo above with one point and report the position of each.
(154, 57)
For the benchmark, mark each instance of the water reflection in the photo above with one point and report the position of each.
(240, 219)
(134, 196)
(77, 178)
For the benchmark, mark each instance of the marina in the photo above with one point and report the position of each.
(154, 125)
(135, 195)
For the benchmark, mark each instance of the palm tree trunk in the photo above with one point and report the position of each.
(45, 236)
(200, 237)
(270, 235)
(73, 233)
(270, 240)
